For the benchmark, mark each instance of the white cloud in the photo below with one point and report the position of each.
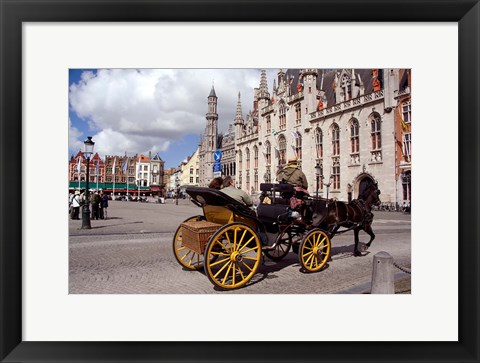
(136, 110)
(74, 136)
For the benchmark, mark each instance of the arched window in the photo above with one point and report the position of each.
(282, 150)
(298, 114)
(319, 143)
(282, 116)
(376, 135)
(247, 157)
(298, 146)
(269, 124)
(354, 142)
(336, 175)
(376, 138)
(335, 140)
(255, 157)
(268, 153)
(239, 160)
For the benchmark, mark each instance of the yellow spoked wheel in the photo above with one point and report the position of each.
(283, 241)
(239, 250)
(314, 250)
(185, 256)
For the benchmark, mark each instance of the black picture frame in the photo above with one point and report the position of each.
(13, 13)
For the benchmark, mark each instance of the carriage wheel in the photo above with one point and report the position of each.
(185, 256)
(314, 250)
(239, 251)
(283, 241)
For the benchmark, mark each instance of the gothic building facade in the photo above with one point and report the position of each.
(354, 125)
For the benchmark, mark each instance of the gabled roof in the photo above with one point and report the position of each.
(364, 75)
(143, 159)
(157, 157)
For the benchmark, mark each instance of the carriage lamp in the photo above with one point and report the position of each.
(88, 151)
(318, 170)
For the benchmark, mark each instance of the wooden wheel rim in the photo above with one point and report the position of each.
(186, 257)
(315, 250)
(239, 252)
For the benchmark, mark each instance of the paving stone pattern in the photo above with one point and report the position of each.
(131, 253)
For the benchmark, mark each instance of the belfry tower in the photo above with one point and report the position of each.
(210, 136)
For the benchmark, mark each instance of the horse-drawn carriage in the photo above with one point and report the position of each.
(228, 240)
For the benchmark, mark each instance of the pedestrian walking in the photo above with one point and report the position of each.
(76, 203)
(95, 200)
(104, 204)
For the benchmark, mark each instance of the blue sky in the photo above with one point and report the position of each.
(153, 110)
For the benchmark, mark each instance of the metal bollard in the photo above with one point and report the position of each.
(383, 274)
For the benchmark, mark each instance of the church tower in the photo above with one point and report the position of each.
(263, 95)
(238, 121)
(211, 135)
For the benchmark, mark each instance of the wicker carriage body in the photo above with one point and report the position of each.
(195, 234)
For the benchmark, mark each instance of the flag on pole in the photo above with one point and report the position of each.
(320, 104)
(138, 168)
(125, 166)
(294, 134)
(274, 133)
(113, 168)
(79, 164)
(96, 167)
(404, 125)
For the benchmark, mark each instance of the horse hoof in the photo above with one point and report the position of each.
(357, 254)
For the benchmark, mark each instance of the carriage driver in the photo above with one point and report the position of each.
(292, 174)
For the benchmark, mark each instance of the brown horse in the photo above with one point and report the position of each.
(356, 215)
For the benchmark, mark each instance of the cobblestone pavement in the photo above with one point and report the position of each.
(131, 253)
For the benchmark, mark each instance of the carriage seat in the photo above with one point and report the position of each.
(277, 187)
(277, 193)
(202, 196)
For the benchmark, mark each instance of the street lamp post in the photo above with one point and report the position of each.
(86, 210)
(318, 170)
(328, 184)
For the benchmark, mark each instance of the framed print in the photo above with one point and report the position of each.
(44, 320)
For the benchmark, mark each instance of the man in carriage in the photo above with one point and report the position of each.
(293, 174)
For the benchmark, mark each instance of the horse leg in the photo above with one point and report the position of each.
(356, 252)
(369, 231)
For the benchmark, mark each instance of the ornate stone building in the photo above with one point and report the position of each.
(346, 121)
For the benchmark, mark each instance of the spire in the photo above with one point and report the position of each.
(263, 91)
(274, 86)
(212, 92)
(280, 76)
(238, 115)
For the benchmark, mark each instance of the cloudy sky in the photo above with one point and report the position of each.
(159, 110)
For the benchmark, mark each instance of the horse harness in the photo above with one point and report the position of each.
(367, 216)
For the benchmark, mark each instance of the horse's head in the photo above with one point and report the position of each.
(371, 195)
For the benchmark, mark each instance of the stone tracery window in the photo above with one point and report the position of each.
(319, 143)
(282, 149)
(354, 142)
(335, 140)
(376, 137)
(268, 153)
(282, 116)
